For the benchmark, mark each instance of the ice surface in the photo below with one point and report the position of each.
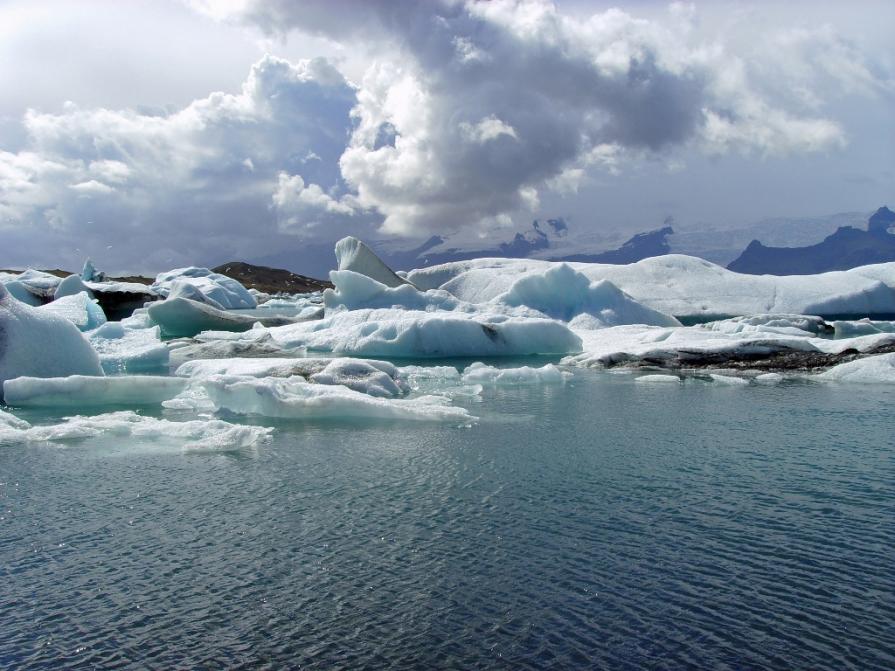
(878, 369)
(354, 291)
(222, 348)
(198, 435)
(479, 373)
(686, 286)
(293, 398)
(37, 343)
(77, 391)
(396, 333)
(128, 350)
(79, 309)
(225, 291)
(728, 380)
(769, 378)
(851, 329)
(181, 289)
(21, 293)
(354, 255)
(797, 325)
(70, 286)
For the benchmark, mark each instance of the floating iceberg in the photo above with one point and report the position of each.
(79, 309)
(294, 398)
(354, 255)
(71, 286)
(128, 350)
(686, 287)
(199, 435)
(77, 391)
(396, 333)
(221, 348)
(878, 369)
(37, 343)
(375, 378)
(479, 373)
(566, 294)
(226, 292)
(658, 378)
(183, 317)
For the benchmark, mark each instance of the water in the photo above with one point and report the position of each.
(604, 524)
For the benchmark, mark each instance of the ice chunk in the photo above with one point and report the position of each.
(294, 398)
(71, 286)
(225, 291)
(354, 255)
(769, 378)
(126, 350)
(728, 380)
(563, 293)
(354, 291)
(398, 333)
(10, 421)
(181, 289)
(40, 344)
(479, 373)
(228, 349)
(376, 378)
(79, 309)
(797, 325)
(81, 391)
(851, 329)
(22, 293)
(879, 369)
(182, 317)
(274, 367)
(192, 435)
(658, 378)
(89, 272)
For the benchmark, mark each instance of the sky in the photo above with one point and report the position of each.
(155, 134)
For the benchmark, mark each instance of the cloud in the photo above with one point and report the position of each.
(199, 179)
(465, 115)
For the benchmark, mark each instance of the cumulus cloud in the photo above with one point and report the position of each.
(466, 113)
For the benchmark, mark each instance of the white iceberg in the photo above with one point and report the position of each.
(879, 369)
(293, 398)
(396, 333)
(354, 255)
(200, 435)
(183, 317)
(658, 378)
(226, 292)
(77, 391)
(125, 350)
(41, 344)
(80, 309)
(479, 373)
(375, 378)
(71, 286)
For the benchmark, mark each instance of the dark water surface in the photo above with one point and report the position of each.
(604, 524)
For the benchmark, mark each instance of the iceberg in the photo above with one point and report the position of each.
(200, 435)
(77, 391)
(354, 255)
(80, 309)
(183, 317)
(479, 373)
(22, 293)
(225, 348)
(225, 292)
(396, 333)
(129, 350)
(293, 398)
(374, 378)
(686, 287)
(879, 369)
(71, 286)
(658, 378)
(563, 293)
(37, 343)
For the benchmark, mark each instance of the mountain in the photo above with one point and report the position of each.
(641, 246)
(269, 280)
(846, 248)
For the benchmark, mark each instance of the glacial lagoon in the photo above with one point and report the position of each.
(598, 522)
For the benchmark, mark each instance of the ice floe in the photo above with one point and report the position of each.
(77, 391)
(479, 373)
(294, 398)
(200, 435)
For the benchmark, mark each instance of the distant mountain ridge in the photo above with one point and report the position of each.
(847, 247)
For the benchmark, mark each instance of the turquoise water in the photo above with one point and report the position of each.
(603, 524)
